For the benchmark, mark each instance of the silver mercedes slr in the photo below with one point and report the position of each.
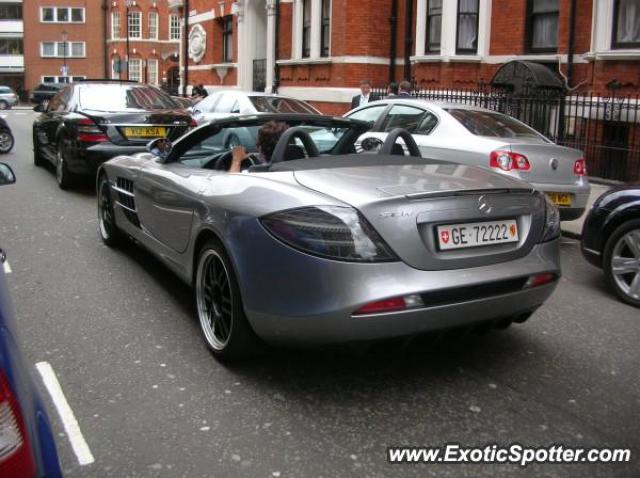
(323, 245)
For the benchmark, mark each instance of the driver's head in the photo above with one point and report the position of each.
(268, 136)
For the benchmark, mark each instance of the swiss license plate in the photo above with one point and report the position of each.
(475, 234)
(561, 199)
(145, 132)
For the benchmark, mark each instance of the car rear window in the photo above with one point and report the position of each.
(489, 123)
(273, 104)
(4, 89)
(119, 97)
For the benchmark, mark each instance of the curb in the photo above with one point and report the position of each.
(571, 235)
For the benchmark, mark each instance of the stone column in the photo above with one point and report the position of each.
(271, 44)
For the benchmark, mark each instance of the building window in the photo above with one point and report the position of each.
(11, 46)
(62, 15)
(306, 28)
(153, 25)
(115, 25)
(325, 31)
(542, 25)
(134, 69)
(467, 39)
(11, 12)
(174, 27)
(626, 28)
(434, 26)
(134, 24)
(227, 39)
(62, 79)
(116, 66)
(59, 49)
(152, 71)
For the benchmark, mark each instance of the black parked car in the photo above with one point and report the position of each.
(6, 137)
(611, 240)
(45, 91)
(87, 123)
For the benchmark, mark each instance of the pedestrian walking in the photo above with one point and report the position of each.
(365, 95)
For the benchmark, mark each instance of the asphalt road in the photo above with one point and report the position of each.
(120, 332)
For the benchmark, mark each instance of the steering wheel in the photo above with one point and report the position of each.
(387, 147)
(280, 151)
(223, 163)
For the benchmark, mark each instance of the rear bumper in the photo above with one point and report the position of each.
(318, 306)
(86, 161)
(580, 194)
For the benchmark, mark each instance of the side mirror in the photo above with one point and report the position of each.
(6, 175)
(160, 147)
(371, 144)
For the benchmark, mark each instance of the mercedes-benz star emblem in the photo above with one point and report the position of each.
(484, 205)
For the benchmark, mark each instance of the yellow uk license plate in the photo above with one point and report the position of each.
(145, 132)
(561, 199)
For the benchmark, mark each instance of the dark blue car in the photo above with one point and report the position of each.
(27, 448)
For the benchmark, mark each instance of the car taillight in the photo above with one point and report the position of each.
(580, 167)
(509, 161)
(393, 304)
(16, 458)
(540, 279)
(89, 132)
(193, 124)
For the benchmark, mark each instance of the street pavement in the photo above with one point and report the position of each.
(119, 330)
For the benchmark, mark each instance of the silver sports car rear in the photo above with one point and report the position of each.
(336, 247)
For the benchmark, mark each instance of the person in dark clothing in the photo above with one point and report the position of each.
(199, 90)
(365, 95)
(404, 89)
(392, 89)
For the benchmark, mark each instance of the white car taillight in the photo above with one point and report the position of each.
(509, 161)
(16, 458)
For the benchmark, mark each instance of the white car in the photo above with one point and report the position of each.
(225, 103)
(480, 137)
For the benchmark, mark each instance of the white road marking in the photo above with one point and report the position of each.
(7, 267)
(3, 116)
(20, 114)
(78, 443)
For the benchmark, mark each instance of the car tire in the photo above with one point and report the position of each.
(6, 141)
(66, 179)
(623, 248)
(107, 227)
(224, 325)
(38, 159)
(4, 105)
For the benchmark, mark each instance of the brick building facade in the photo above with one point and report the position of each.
(63, 40)
(153, 46)
(319, 50)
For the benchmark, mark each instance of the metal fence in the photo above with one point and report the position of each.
(606, 128)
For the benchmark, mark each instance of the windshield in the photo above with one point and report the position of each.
(274, 104)
(124, 97)
(489, 123)
(202, 153)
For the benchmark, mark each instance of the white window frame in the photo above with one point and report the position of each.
(57, 47)
(57, 78)
(602, 34)
(316, 28)
(175, 30)
(116, 26)
(153, 23)
(132, 69)
(55, 14)
(130, 16)
(153, 77)
(449, 31)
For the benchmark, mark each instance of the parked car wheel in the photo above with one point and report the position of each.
(109, 232)
(4, 105)
(66, 179)
(224, 325)
(38, 160)
(622, 262)
(6, 141)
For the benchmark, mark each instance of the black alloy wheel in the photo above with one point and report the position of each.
(109, 232)
(6, 141)
(66, 179)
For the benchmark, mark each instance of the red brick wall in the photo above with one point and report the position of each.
(35, 32)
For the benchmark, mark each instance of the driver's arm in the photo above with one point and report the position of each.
(238, 154)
